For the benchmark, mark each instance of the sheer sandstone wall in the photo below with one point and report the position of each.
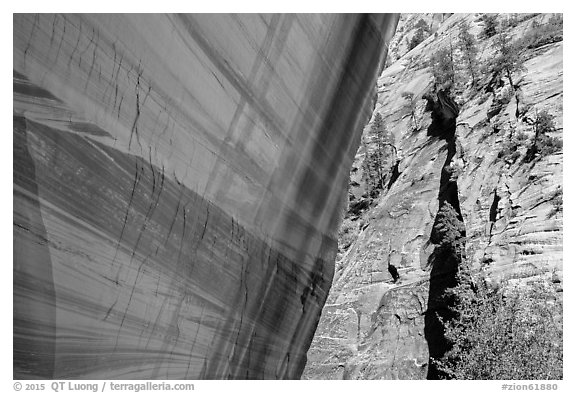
(177, 183)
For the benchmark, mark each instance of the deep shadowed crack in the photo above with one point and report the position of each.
(447, 234)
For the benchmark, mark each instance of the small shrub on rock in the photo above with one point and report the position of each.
(543, 144)
(521, 136)
(509, 152)
(347, 234)
(541, 34)
(557, 202)
(416, 39)
(442, 65)
(490, 24)
(514, 333)
(510, 22)
(549, 145)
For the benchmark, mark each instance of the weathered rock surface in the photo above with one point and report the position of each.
(408, 26)
(373, 327)
(177, 183)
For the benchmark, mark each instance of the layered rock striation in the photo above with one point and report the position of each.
(177, 183)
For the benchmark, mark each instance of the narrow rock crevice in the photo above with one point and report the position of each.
(448, 234)
(494, 207)
(395, 174)
(492, 216)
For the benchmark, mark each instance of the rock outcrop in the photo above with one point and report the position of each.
(177, 183)
(377, 327)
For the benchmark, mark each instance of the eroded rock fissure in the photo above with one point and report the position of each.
(448, 233)
(493, 213)
(395, 174)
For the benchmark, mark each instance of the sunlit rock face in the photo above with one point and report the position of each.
(374, 327)
(177, 183)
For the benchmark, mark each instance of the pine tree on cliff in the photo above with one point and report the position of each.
(411, 101)
(543, 143)
(448, 231)
(382, 138)
(374, 160)
(422, 32)
(508, 58)
(443, 68)
(469, 47)
(417, 39)
(370, 169)
(490, 24)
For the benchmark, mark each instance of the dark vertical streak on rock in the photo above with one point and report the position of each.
(134, 186)
(395, 174)
(133, 288)
(75, 46)
(81, 54)
(151, 207)
(320, 279)
(175, 214)
(94, 44)
(493, 214)
(116, 79)
(357, 78)
(62, 37)
(134, 129)
(237, 347)
(110, 310)
(120, 106)
(230, 73)
(205, 222)
(494, 207)
(54, 23)
(34, 26)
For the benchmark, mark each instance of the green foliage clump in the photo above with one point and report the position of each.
(416, 39)
(490, 24)
(510, 22)
(448, 231)
(422, 32)
(557, 202)
(543, 34)
(543, 143)
(544, 122)
(442, 63)
(372, 168)
(347, 234)
(422, 25)
(411, 101)
(374, 160)
(469, 47)
(521, 137)
(509, 152)
(513, 333)
(547, 145)
(508, 58)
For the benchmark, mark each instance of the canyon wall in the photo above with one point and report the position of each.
(177, 187)
(375, 326)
